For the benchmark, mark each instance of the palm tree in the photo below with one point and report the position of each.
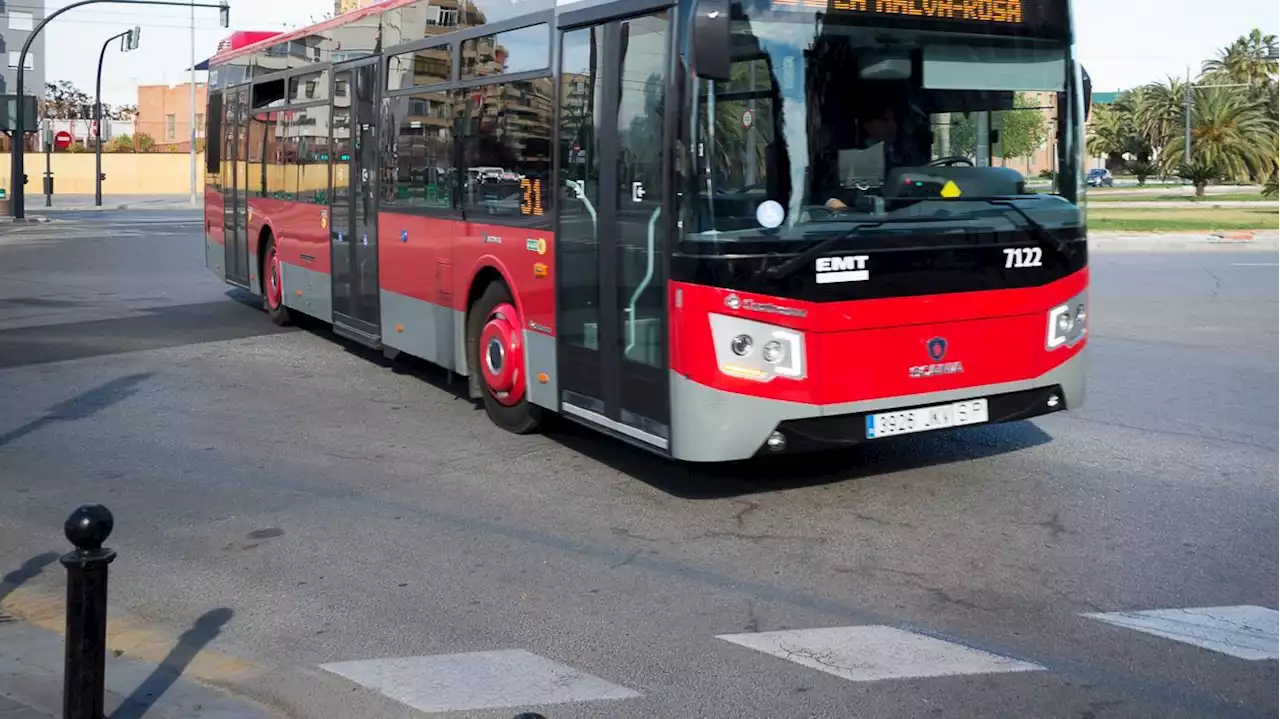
(1109, 130)
(1270, 189)
(1244, 61)
(1158, 111)
(1231, 135)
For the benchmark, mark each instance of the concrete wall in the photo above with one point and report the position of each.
(127, 174)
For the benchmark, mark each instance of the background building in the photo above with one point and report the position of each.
(17, 20)
(341, 6)
(164, 113)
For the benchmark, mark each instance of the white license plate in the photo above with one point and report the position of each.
(924, 419)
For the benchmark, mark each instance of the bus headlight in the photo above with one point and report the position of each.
(781, 355)
(1067, 322)
(773, 352)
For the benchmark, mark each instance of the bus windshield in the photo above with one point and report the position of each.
(822, 126)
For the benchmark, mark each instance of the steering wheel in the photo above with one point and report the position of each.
(949, 161)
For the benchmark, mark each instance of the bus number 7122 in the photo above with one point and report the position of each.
(1023, 257)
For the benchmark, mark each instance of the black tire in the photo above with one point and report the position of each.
(519, 418)
(279, 314)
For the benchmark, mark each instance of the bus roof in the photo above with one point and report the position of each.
(264, 43)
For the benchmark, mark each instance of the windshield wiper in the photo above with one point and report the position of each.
(1037, 229)
(791, 265)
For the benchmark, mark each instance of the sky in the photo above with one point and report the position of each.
(1122, 43)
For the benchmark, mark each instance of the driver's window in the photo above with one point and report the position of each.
(738, 122)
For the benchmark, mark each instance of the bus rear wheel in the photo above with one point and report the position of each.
(273, 285)
(496, 354)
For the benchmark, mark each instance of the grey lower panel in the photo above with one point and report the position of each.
(716, 426)
(316, 288)
(540, 357)
(422, 329)
(214, 257)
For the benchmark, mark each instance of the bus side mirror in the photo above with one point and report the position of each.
(1087, 88)
(711, 57)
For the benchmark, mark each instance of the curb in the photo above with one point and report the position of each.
(1239, 240)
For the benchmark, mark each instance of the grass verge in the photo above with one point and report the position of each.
(1183, 219)
(1185, 199)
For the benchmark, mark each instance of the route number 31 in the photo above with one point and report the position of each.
(1023, 257)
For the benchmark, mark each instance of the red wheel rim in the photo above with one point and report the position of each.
(275, 292)
(501, 355)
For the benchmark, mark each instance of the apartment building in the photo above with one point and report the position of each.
(164, 113)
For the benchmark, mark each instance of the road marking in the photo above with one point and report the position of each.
(1255, 264)
(872, 653)
(503, 679)
(1244, 632)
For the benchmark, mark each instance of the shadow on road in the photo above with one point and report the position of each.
(155, 328)
(81, 406)
(192, 641)
(783, 472)
(29, 570)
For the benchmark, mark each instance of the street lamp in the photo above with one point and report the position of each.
(16, 176)
(129, 42)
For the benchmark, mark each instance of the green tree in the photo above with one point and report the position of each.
(1024, 129)
(1270, 189)
(1158, 111)
(1230, 133)
(120, 143)
(1244, 61)
(144, 142)
(964, 135)
(1109, 132)
(1142, 169)
(1200, 173)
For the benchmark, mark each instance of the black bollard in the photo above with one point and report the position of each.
(82, 688)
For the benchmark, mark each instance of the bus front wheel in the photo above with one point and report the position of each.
(272, 275)
(496, 355)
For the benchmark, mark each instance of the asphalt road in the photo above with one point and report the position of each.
(341, 508)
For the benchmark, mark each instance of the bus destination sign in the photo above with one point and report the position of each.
(1007, 12)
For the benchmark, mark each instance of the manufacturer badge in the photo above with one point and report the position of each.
(937, 349)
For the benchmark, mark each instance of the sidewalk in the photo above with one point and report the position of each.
(1234, 240)
(31, 663)
(84, 203)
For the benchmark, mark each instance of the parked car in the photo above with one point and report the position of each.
(1099, 177)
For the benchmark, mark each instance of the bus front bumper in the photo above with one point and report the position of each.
(711, 425)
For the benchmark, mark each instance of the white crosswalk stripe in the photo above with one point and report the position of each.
(1244, 632)
(871, 653)
(504, 679)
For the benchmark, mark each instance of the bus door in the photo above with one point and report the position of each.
(614, 215)
(353, 211)
(235, 198)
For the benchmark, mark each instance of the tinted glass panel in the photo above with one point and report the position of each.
(309, 88)
(581, 91)
(420, 20)
(429, 66)
(507, 53)
(266, 163)
(421, 154)
(481, 12)
(507, 151)
(309, 128)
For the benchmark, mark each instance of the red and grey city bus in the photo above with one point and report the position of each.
(713, 228)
